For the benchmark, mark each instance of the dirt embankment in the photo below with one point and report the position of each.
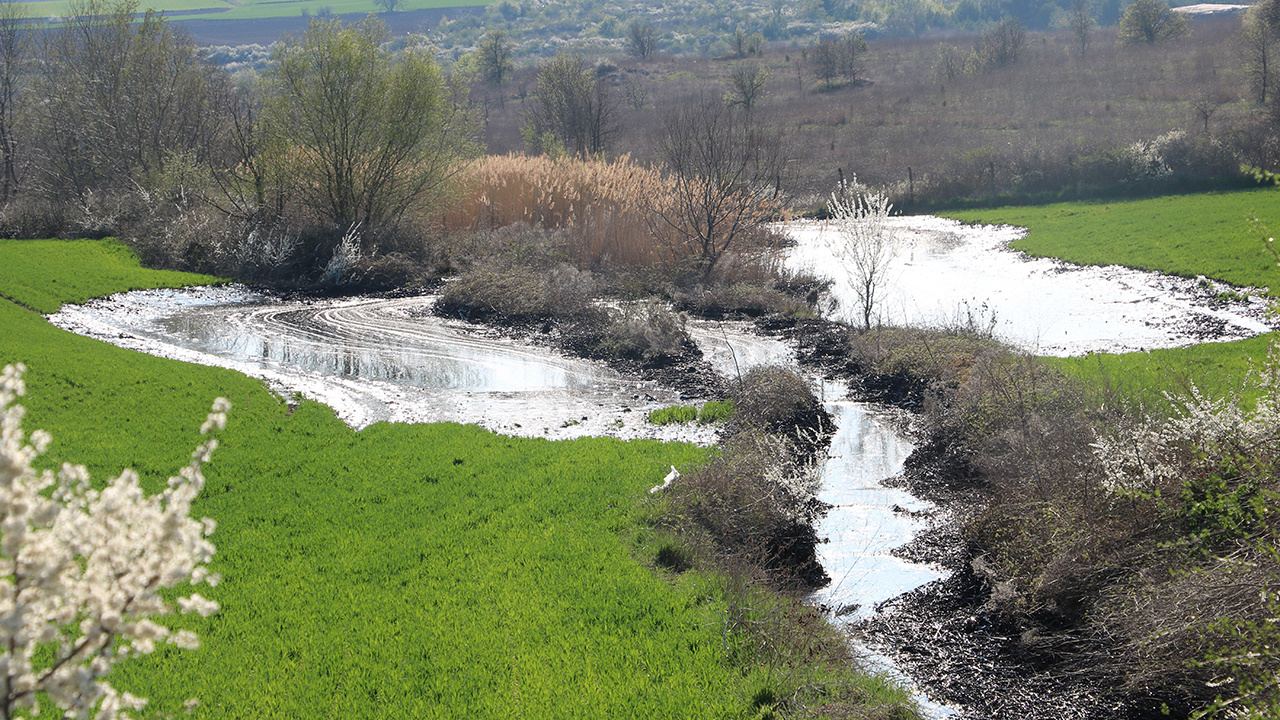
(952, 636)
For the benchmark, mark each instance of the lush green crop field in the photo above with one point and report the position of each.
(43, 274)
(1207, 234)
(1216, 369)
(397, 572)
(258, 9)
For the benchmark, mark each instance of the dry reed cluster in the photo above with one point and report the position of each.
(606, 207)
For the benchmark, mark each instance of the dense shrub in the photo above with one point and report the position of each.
(776, 400)
(755, 503)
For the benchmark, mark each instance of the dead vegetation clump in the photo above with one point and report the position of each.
(517, 274)
(611, 215)
(775, 400)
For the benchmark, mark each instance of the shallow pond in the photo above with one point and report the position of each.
(946, 273)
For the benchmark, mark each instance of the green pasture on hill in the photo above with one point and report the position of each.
(257, 9)
(1207, 234)
(403, 571)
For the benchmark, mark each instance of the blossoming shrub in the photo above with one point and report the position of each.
(82, 569)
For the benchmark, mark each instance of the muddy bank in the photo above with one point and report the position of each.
(684, 371)
(952, 635)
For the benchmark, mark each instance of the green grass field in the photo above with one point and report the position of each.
(403, 571)
(257, 9)
(1207, 234)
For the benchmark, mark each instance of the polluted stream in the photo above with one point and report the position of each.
(390, 360)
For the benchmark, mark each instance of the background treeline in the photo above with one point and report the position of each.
(1006, 114)
(699, 27)
(113, 123)
(241, 173)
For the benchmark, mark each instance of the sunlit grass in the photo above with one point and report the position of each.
(1148, 378)
(1207, 234)
(43, 274)
(400, 571)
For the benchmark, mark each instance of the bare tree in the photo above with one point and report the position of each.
(851, 47)
(741, 44)
(572, 108)
(825, 59)
(121, 97)
(1206, 105)
(1260, 44)
(635, 91)
(864, 244)
(251, 185)
(15, 52)
(748, 80)
(999, 46)
(387, 5)
(1080, 24)
(642, 40)
(1151, 21)
(725, 169)
(838, 57)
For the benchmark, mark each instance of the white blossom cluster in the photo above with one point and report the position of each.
(80, 569)
(865, 244)
(1205, 432)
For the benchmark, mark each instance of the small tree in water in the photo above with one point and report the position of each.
(864, 244)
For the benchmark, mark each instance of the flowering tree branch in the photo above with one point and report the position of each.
(81, 569)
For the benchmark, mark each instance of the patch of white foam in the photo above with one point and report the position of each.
(382, 360)
(947, 273)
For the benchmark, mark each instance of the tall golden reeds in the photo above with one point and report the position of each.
(603, 205)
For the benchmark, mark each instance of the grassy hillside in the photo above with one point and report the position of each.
(401, 571)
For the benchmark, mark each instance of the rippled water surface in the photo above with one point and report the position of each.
(377, 359)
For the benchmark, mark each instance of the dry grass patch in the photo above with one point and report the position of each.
(602, 206)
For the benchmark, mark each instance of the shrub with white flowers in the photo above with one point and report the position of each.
(864, 244)
(81, 569)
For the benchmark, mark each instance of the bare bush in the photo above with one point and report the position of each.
(644, 331)
(725, 170)
(753, 504)
(774, 399)
(518, 274)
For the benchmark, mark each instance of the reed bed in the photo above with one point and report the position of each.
(605, 206)
(612, 212)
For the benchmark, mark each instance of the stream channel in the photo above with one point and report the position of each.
(379, 359)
